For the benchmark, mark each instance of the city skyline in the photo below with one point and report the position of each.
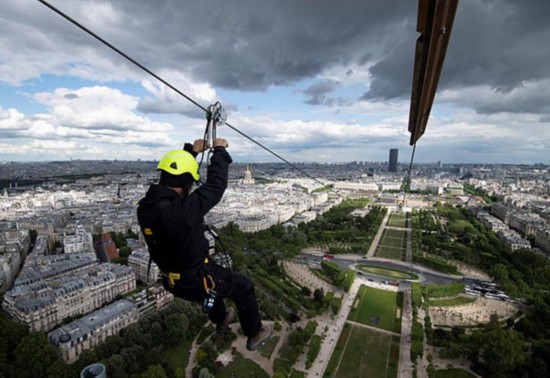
(314, 84)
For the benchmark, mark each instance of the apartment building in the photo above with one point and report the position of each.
(138, 261)
(43, 299)
(74, 338)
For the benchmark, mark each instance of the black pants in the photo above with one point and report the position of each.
(228, 285)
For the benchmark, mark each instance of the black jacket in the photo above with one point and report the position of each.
(173, 225)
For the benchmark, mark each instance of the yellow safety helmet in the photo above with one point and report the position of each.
(178, 162)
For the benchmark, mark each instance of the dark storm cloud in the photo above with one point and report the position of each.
(500, 44)
(317, 93)
(241, 45)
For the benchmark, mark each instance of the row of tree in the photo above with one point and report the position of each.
(519, 348)
(137, 349)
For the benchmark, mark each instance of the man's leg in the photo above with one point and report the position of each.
(242, 293)
(218, 312)
(241, 290)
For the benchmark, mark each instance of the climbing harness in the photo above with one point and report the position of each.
(209, 286)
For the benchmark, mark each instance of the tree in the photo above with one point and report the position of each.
(154, 371)
(179, 373)
(318, 295)
(61, 370)
(116, 366)
(205, 373)
(124, 252)
(500, 272)
(176, 324)
(34, 355)
(499, 350)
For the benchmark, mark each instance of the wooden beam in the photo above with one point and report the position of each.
(435, 23)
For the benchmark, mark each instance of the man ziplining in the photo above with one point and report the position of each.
(171, 218)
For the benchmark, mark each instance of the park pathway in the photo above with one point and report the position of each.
(376, 239)
(334, 326)
(405, 364)
(384, 331)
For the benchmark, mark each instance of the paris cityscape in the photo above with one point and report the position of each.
(206, 189)
(62, 258)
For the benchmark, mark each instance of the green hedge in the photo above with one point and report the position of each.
(313, 351)
(417, 341)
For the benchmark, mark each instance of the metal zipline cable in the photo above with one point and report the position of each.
(135, 62)
(408, 183)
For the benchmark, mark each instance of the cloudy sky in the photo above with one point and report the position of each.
(316, 80)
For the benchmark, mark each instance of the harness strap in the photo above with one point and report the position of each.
(176, 276)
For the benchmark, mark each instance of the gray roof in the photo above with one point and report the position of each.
(81, 328)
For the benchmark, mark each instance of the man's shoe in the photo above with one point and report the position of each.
(223, 328)
(253, 342)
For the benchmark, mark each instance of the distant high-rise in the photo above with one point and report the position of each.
(393, 160)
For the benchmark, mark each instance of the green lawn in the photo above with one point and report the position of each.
(397, 220)
(398, 234)
(392, 245)
(368, 353)
(178, 356)
(377, 306)
(267, 348)
(393, 238)
(338, 351)
(297, 374)
(453, 373)
(434, 291)
(241, 367)
(389, 252)
(386, 272)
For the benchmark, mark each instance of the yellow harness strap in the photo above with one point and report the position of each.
(173, 277)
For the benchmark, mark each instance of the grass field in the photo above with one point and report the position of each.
(178, 355)
(435, 291)
(241, 367)
(296, 374)
(393, 238)
(453, 373)
(390, 252)
(362, 352)
(392, 245)
(391, 273)
(378, 308)
(397, 220)
(266, 349)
